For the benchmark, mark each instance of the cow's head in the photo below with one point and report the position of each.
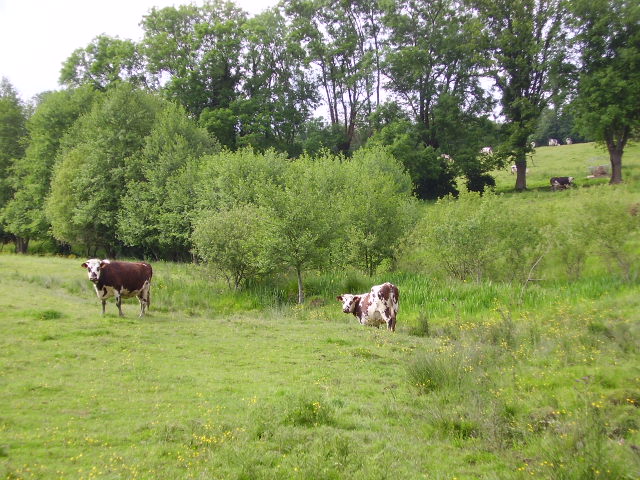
(349, 302)
(93, 267)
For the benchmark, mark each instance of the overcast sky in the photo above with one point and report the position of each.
(37, 36)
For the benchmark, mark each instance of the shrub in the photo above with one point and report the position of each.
(431, 371)
(611, 224)
(233, 242)
(421, 327)
(307, 411)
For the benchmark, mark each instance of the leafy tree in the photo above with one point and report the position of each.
(24, 213)
(432, 51)
(276, 96)
(197, 50)
(376, 210)
(234, 242)
(342, 44)
(100, 149)
(557, 123)
(160, 196)
(228, 179)
(430, 173)
(527, 45)
(60, 204)
(317, 136)
(12, 140)
(608, 101)
(105, 61)
(303, 215)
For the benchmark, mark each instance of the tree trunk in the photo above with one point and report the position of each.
(22, 244)
(615, 157)
(300, 287)
(616, 148)
(521, 175)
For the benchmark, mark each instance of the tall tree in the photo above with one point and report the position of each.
(376, 210)
(160, 199)
(303, 215)
(12, 140)
(432, 50)
(197, 51)
(96, 163)
(31, 175)
(526, 40)
(277, 94)
(608, 100)
(343, 51)
(105, 61)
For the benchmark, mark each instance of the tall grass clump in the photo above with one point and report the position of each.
(436, 370)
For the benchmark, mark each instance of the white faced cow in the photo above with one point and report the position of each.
(553, 142)
(379, 306)
(120, 279)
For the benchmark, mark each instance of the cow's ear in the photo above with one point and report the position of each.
(84, 265)
(103, 263)
(339, 298)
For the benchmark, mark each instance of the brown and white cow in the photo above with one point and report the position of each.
(379, 306)
(120, 279)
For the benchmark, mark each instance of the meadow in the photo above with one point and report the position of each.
(482, 380)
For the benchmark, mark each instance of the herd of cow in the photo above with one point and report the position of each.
(133, 279)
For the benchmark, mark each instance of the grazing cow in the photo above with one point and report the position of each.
(486, 151)
(560, 183)
(553, 142)
(378, 306)
(568, 141)
(120, 279)
(533, 145)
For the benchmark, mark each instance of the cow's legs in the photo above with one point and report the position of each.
(104, 303)
(145, 298)
(392, 324)
(119, 302)
(144, 302)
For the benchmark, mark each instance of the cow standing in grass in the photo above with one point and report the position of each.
(120, 279)
(378, 306)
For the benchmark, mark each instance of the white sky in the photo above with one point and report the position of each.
(37, 36)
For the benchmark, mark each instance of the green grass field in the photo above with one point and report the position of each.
(215, 385)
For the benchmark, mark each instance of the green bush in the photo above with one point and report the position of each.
(431, 371)
(233, 242)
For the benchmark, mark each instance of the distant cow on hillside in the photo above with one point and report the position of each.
(560, 183)
(553, 142)
(568, 141)
(120, 279)
(378, 306)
